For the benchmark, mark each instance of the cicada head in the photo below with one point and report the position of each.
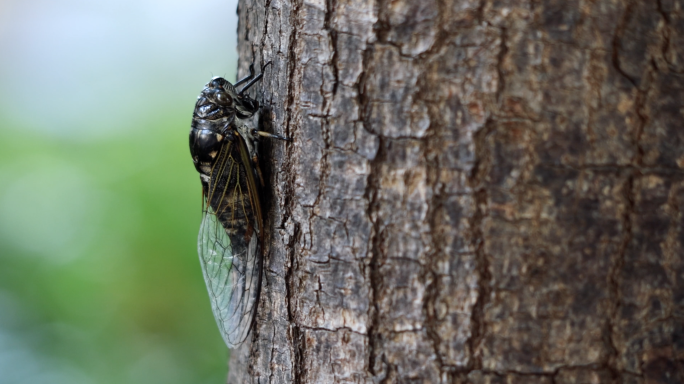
(220, 99)
(217, 100)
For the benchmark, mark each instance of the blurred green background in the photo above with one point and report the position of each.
(99, 201)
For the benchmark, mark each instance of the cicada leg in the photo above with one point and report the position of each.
(253, 80)
(249, 77)
(272, 136)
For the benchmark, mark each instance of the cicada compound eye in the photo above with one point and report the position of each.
(223, 98)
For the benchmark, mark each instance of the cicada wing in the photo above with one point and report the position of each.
(233, 278)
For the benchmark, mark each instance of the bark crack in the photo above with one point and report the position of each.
(371, 195)
(501, 83)
(665, 49)
(477, 181)
(423, 98)
(614, 276)
(297, 341)
(330, 7)
(619, 32)
(267, 9)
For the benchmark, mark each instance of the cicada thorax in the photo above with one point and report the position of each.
(221, 156)
(212, 120)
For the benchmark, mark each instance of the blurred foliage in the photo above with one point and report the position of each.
(99, 276)
(99, 201)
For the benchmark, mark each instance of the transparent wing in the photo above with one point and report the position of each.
(233, 278)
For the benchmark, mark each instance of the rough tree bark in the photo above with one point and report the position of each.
(478, 191)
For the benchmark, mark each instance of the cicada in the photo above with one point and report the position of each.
(223, 145)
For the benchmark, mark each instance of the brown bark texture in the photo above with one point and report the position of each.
(477, 191)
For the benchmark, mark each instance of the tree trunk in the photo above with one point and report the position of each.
(477, 191)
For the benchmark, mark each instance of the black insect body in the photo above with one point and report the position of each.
(223, 145)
